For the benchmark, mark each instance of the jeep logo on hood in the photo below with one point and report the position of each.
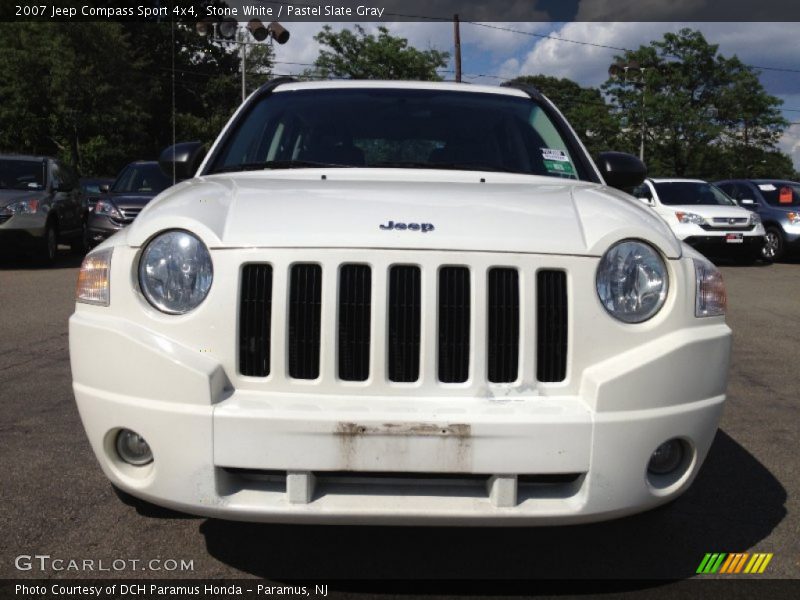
(423, 227)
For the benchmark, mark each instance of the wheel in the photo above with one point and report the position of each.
(774, 246)
(48, 247)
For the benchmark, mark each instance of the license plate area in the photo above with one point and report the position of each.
(734, 238)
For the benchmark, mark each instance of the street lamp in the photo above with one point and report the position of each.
(634, 73)
(227, 29)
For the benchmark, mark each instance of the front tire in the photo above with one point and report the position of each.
(48, 247)
(774, 245)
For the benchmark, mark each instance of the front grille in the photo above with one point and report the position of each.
(729, 224)
(731, 220)
(405, 312)
(454, 309)
(305, 302)
(355, 295)
(255, 320)
(415, 323)
(503, 334)
(551, 338)
(130, 213)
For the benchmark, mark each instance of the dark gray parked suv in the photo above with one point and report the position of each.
(137, 184)
(41, 204)
(777, 202)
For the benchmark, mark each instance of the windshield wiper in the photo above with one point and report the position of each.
(451, 166)
(277, 164)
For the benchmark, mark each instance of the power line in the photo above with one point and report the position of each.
(582, 43)
(547, 36)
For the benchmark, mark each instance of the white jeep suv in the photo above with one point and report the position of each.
(408, 303)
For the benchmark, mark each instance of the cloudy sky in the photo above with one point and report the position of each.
(492, 53)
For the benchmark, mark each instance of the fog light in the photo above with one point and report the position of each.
(666, 458)
(132, 448)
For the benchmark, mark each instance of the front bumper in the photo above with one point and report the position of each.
(21, 231)
(718, 245)
(101, 227)
(528, 459)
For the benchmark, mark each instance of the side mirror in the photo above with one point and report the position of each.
(181, 159)
(104, 188)
(648, 201)
(620, 170)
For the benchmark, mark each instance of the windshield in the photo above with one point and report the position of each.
(141, 179)
(780, 193)
(22, 174)
(398, 128)
(691, 193)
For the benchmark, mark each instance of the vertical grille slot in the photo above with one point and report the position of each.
(355, 306)
(405, 310)
(454, 309)
(305, 303)
(551, 343)
(503, 325)
(255, 320)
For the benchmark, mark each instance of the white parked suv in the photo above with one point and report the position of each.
(704, 217)
(407, 303)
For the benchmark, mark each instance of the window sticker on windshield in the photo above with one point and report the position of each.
(554, 154)
(785, 195)
(767, 187)
(556, 162)
(559, 168)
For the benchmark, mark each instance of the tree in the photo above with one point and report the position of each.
(65, 93)
(363, 56)
(701, 110)
(100, 94)
(584, 108)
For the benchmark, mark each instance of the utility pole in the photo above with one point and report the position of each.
(242, 66)
(634, 73)
(644, 123)
(457, 36)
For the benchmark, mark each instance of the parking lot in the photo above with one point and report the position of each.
(57, 502)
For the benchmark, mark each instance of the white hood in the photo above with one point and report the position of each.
(504, 213)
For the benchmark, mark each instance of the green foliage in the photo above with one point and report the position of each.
(363, 56)
(100, 94)
(584, 108)
(705, 115)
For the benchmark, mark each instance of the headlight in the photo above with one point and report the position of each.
(175, 272)
(687, 217)
(632, 281)
(94, 285)
(793, 217)
(22, 207)
(755, 218)
(710, 297)
(107, 208)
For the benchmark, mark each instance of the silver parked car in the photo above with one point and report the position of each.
(40, 206)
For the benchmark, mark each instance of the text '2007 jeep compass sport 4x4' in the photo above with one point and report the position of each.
(403, 303)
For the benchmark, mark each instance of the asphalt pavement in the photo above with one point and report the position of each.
(56, 501)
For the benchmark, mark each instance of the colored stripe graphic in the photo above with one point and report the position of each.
(720, 562)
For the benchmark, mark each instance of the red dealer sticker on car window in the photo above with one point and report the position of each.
(785, 195)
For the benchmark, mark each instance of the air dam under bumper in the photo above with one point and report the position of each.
(519, 459)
